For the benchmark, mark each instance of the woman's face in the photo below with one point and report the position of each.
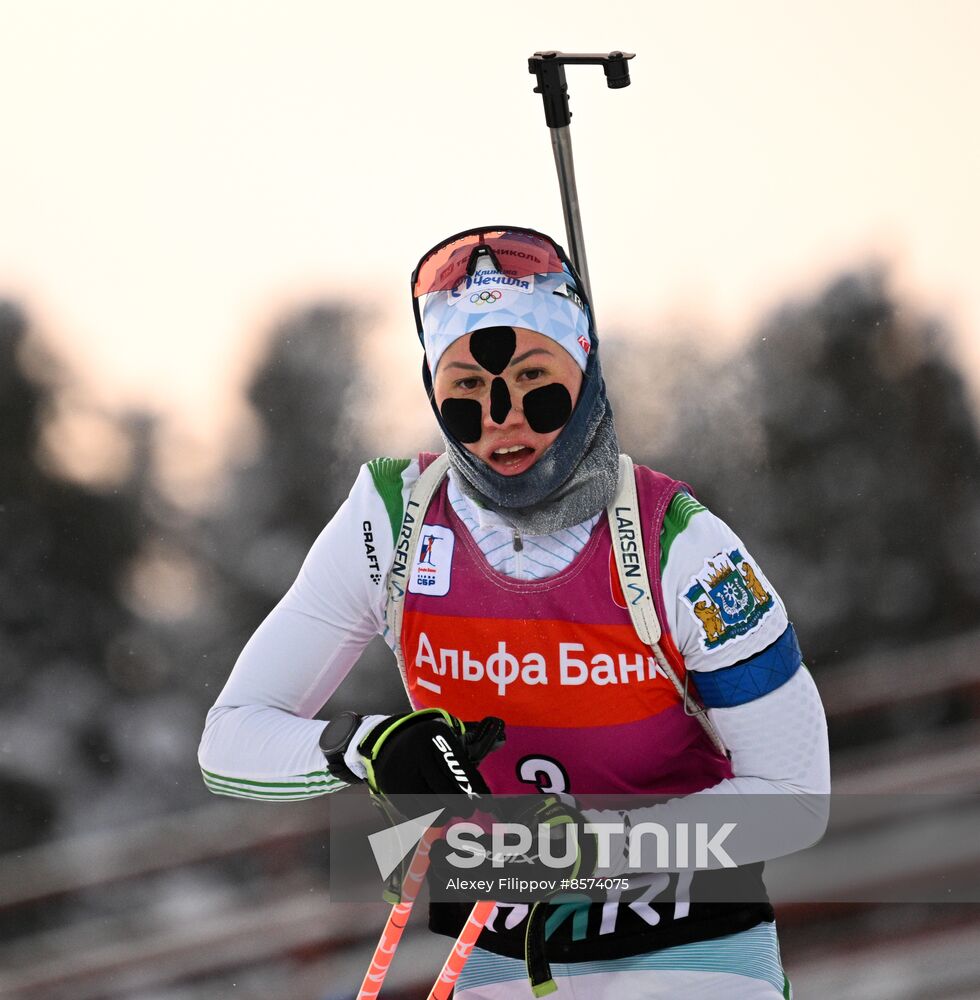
(480, 387)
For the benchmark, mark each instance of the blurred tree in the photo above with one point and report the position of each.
(64, 551)
(873, 445)
(843, 448)
(307, 397)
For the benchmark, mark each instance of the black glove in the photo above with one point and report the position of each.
(568, 840)
(429, 752)
(561, 816)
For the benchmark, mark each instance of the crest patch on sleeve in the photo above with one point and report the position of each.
(728, 598)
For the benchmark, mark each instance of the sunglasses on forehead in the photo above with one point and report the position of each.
(511, 250)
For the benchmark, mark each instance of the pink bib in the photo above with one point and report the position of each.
(587, 708)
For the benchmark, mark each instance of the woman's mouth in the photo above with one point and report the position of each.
(512, 459)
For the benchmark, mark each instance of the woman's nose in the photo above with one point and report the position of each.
(499, 409)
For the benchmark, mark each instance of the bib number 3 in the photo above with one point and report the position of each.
(545, 773)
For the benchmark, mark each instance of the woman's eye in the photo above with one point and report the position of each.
(532, 374)
(467, 384)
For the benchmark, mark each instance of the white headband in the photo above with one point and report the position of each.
(545, 303)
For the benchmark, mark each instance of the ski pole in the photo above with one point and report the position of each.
(398, 917)
(453, 966)
(549, 69)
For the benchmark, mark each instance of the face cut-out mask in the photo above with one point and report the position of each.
(546, 408)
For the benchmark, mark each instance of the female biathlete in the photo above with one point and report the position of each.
(512, 605)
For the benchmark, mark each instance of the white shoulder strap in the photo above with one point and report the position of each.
(631, 562)
(405, 545)
(627, 540)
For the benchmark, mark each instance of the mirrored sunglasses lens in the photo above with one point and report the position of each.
(518, 253)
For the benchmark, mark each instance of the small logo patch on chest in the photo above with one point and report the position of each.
(432, 570)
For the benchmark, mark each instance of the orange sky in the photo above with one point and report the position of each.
(174, 173)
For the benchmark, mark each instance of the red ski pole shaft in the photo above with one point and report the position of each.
(398, 918)
(478, 917)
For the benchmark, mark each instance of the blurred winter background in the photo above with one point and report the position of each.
(208, 215)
